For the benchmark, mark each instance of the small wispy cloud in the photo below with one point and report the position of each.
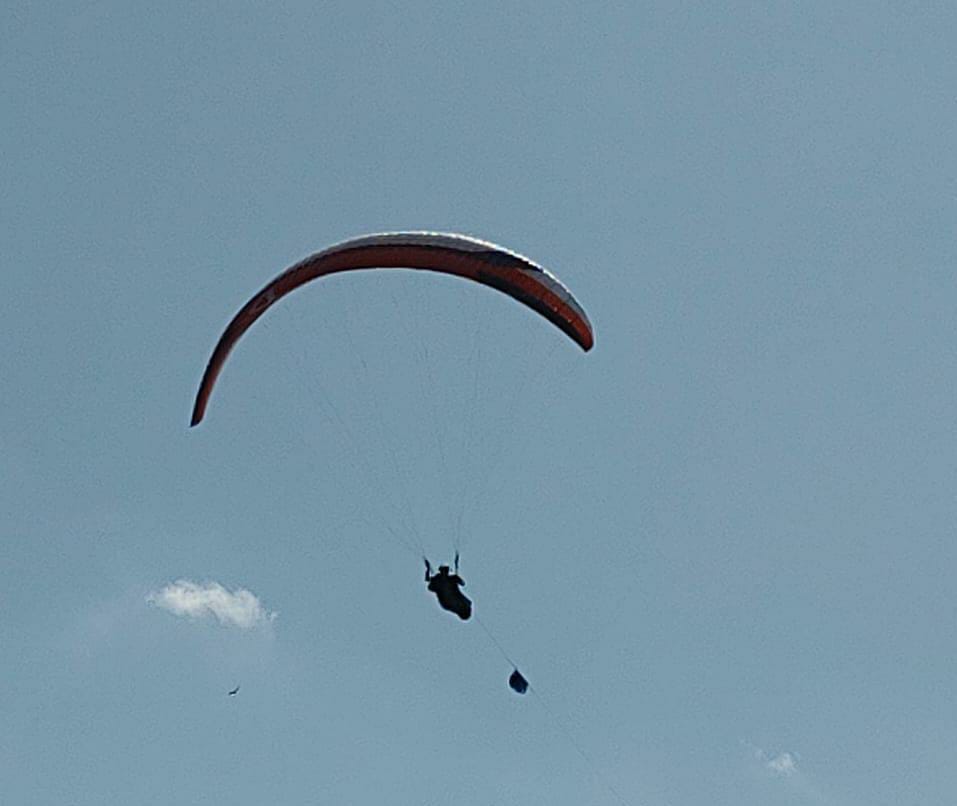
(781, 764)
(784, 765)
(239, 608)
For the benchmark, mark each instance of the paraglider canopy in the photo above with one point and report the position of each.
(458, 255)
(517, 682)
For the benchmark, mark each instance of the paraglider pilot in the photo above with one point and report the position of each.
(446, 588)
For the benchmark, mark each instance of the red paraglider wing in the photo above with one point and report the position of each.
(458, 255)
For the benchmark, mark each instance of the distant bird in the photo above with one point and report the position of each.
(233, 693)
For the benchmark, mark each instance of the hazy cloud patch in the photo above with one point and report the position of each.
(239, 608)
(781, 764)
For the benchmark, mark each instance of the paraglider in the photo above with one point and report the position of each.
(457, 255)
(460, 256)
(446, 587)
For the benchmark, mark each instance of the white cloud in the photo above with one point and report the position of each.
(785, 766)
(239, 608)
(782, 764)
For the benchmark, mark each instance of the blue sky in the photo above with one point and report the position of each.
(720, 545)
